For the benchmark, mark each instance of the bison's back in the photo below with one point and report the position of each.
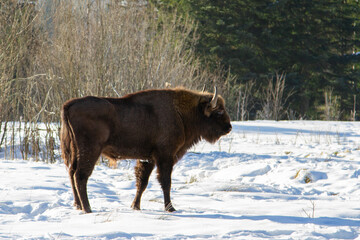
(146, 123)
(135, 126)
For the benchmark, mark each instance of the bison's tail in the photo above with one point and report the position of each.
(67, 143)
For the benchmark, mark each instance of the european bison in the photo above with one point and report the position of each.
(156, 127)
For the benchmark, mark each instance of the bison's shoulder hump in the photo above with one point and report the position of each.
(188, 99)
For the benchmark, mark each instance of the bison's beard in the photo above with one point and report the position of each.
(212, 136)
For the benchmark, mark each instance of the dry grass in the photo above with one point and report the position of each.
(54, 52)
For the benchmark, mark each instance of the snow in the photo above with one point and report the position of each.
(265, 180)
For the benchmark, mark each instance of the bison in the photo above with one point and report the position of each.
(156, 127)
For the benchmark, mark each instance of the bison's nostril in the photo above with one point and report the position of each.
(228, 128)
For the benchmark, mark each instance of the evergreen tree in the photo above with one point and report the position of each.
(312, 41)
(316, 41)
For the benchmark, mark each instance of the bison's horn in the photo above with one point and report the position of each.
(214, 99)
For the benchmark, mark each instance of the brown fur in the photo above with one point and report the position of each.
(157, 126)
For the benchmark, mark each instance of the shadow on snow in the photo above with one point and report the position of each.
(325, 221)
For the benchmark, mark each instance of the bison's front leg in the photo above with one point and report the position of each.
(142, 173)
(164, 168)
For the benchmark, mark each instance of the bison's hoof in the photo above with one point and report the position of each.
(170, 208)
(87, 211)
(135, 207)
(77, 206)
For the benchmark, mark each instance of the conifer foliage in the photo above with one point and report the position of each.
(316, 43)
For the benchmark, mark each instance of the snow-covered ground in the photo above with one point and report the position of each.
(265, 180)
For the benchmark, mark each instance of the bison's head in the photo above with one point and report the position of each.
(216, 121)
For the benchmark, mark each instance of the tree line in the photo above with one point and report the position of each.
(55, 50)
(314, 43)
(271, 59)
(51, 51)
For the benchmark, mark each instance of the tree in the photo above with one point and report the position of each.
(316, 41)
(312, 41)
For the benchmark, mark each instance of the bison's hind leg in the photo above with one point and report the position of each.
(85, 166)
(77, 202)
(71, 162)
(80, 178)
(142, 172)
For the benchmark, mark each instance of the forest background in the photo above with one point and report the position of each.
(276, 60)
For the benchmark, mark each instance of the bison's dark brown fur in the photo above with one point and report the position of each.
(158, 126)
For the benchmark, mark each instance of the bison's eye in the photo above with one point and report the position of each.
(220, 112)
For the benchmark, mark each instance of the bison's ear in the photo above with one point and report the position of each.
(206, 106)
(208, 109)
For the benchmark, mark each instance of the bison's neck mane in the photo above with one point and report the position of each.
(187, 103)
(184, 103)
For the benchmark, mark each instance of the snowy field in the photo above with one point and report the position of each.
(265, 180)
